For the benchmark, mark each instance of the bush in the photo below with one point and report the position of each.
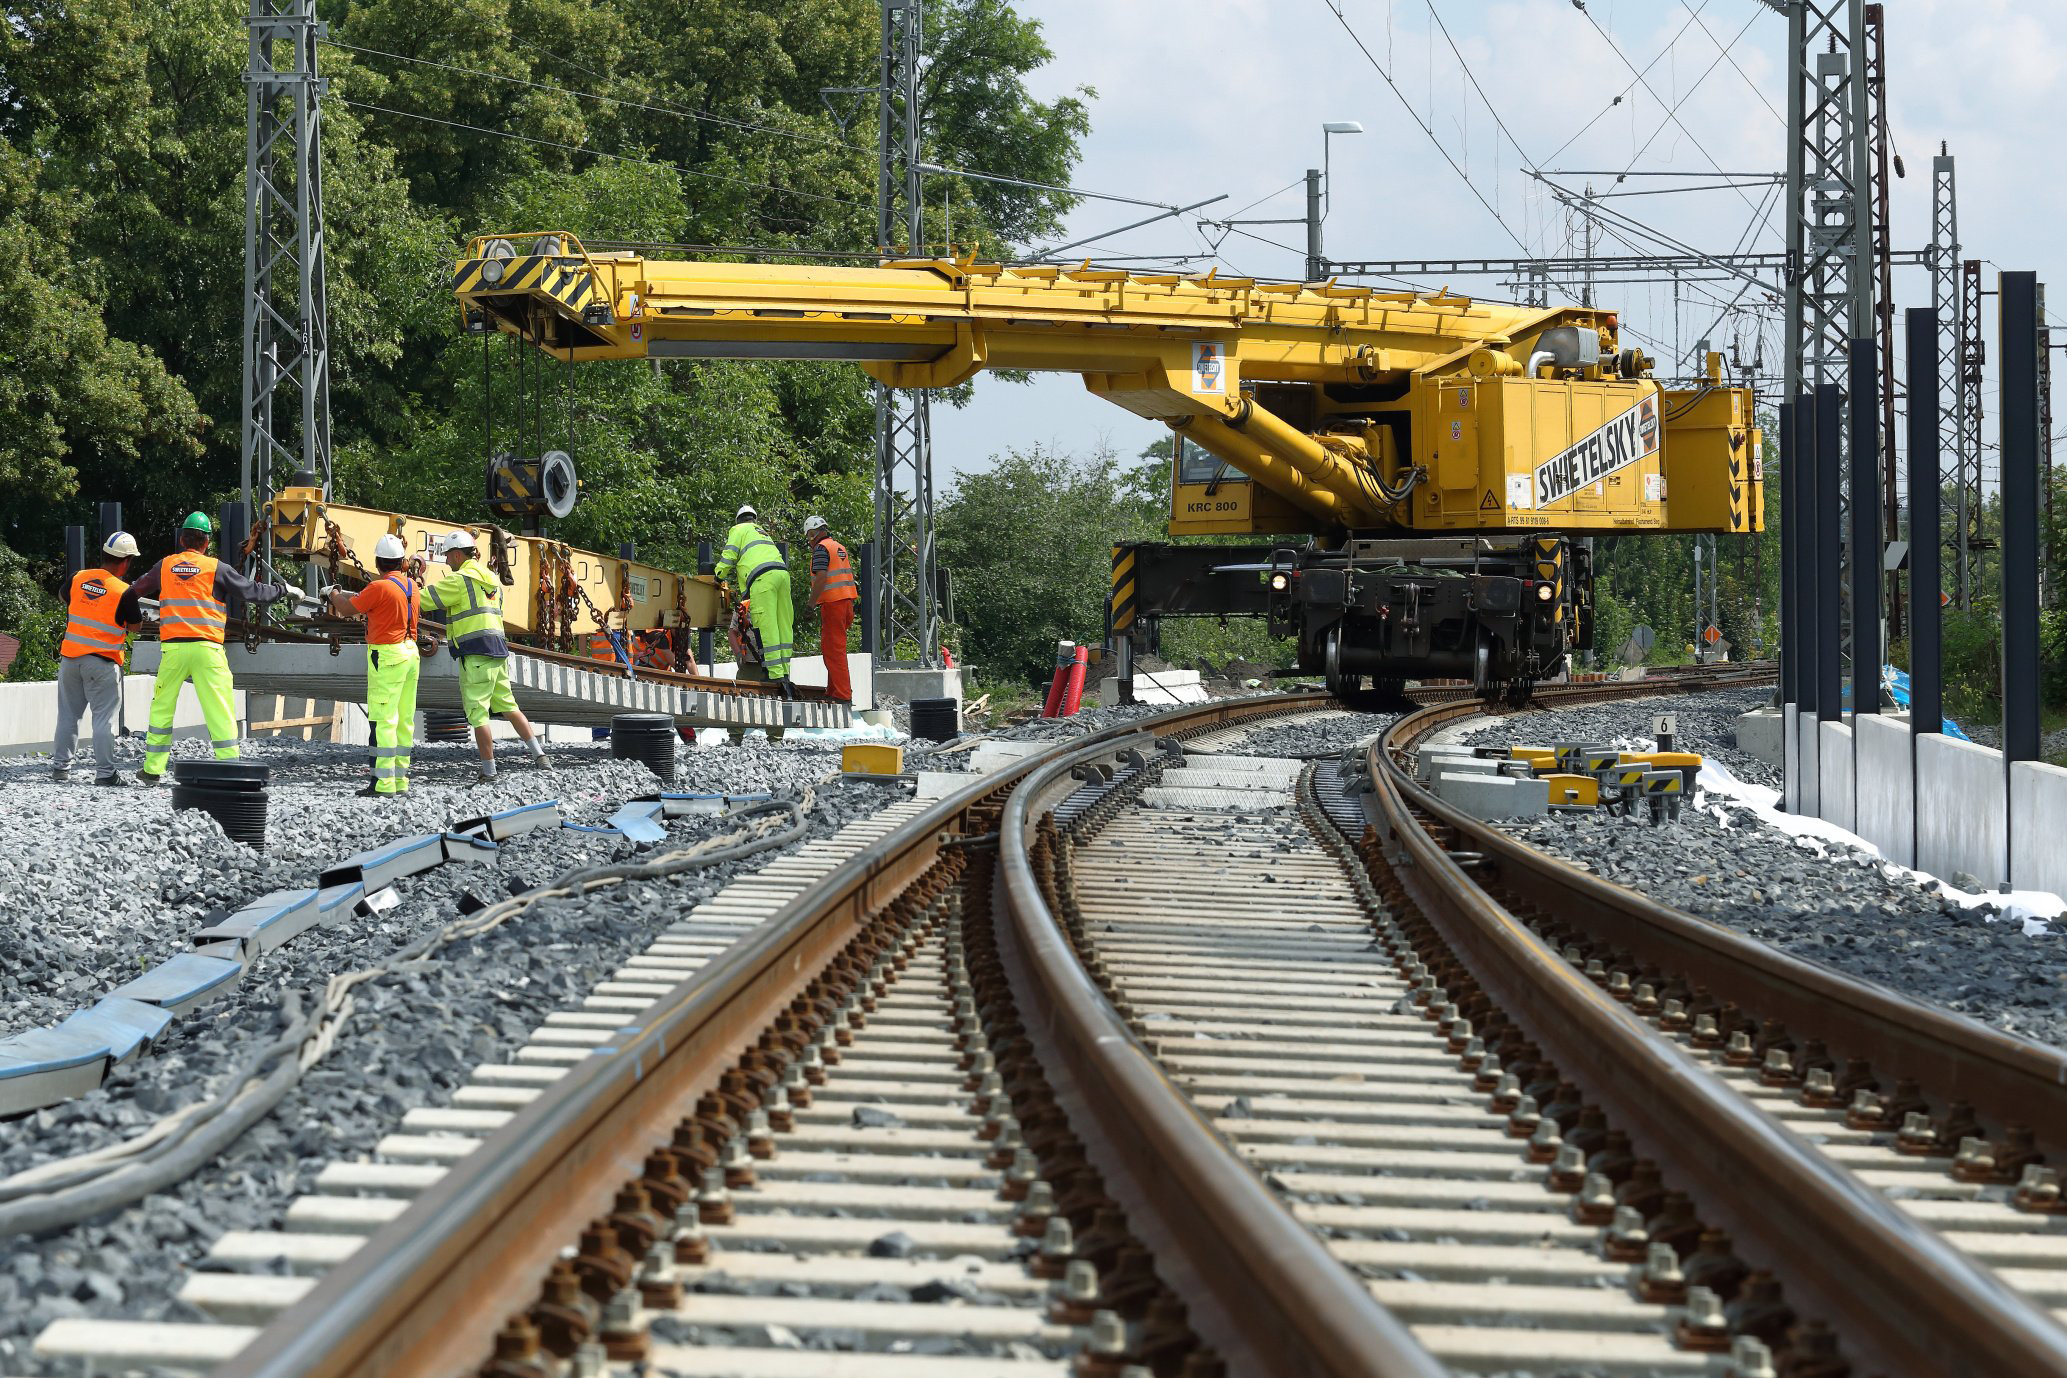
(40, 635)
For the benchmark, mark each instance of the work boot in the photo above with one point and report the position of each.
(370, 792)
(59, 775)
(144, 777)
(543, 762)
(789, 689)
(485, 776)
(113, 780)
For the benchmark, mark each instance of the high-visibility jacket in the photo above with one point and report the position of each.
(750, 554)
(90, 626)
(832, 574)
(469, 602)
(188, 609)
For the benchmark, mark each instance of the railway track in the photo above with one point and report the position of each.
(1146, 1055)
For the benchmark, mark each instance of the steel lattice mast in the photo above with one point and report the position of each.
(286, 388)
(904, 434)
(1944, 261)
(1829, 227)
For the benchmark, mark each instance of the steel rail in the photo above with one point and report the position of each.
(426, 1295)
(2007, 1079)
(1904, 1300)
(1280, 1304)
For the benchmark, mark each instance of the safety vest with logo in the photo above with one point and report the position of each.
(90, 626)
(835, 583)
(747, 556)
(470, 602)
(188, 609)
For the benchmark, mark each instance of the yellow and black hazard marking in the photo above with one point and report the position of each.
(1550, 568)
(1121, 601)
(532, 275)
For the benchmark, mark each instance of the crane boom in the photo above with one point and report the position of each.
(1351, 409)
(1440, 454)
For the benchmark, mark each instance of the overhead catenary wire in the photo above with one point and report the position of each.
(1424, 126)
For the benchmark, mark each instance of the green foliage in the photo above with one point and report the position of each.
(656, 122)
(1030, 544)
(40, 633)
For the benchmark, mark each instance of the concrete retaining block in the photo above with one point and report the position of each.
(39, 1067)
(1808, 762)
(2038, 827)
(1790, 764)
(1834, 774)
(186, 979)
(1960, 792)
(265, 923)
(1761, 733)
(1887, 792)
(1494, 796)
(1162, 687)
(127, 1027)
(377, 867)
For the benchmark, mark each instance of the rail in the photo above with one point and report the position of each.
(1909, 1301)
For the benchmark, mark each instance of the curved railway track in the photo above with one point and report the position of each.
(1146, 1056)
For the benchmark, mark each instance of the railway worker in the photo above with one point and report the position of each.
(393, 662)
(754, 564)
(469, 602)
(192, 588)
(89, 667)
(833, 594)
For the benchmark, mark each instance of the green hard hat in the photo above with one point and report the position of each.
(198, 521)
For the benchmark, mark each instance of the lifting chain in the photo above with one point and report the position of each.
(499, 542)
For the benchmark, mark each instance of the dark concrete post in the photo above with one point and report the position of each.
(1829, 555)
(705, 652)
(1868, 547)
(871, 602)
(1926, 548)
(110, 520)
(2021, 445)
(75, 550)
(1790, 651)
(232, 526)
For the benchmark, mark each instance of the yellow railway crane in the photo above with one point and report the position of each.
(1427, 464)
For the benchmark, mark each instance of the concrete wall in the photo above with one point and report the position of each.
(1790, 760)
(1961, 796)
(28, 714)
(1834, 773)
(1808, 759)
(1886, 790)
(2038, 827)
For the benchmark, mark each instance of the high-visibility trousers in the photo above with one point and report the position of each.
(834, 620)
(391, 675)
(775, 619)
(202, 662)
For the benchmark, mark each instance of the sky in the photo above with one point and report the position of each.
(1199, 98)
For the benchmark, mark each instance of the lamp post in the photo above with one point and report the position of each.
(1320, 195)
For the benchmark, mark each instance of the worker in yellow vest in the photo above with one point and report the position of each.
(834, 593)
(192, 588)
(89, 667)
(469, 602)
(754, 565)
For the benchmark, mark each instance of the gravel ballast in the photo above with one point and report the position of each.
(411, 1041)
(1811, 898)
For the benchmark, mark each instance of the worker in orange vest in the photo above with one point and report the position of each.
(89, 669)
(834, 593)
(192, 587)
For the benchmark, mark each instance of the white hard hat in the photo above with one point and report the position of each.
(121, 543)
(390, 547)
(746, 509)
(457, 540)
(812, 524)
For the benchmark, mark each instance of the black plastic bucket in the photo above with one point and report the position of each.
(647, 737)
(937, 720)
(231, 792)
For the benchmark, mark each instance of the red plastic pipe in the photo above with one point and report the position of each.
(1073, 696)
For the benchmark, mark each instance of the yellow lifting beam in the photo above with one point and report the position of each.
(1355, 409)
(554, 590)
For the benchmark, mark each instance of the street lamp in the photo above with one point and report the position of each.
(1316, 261)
